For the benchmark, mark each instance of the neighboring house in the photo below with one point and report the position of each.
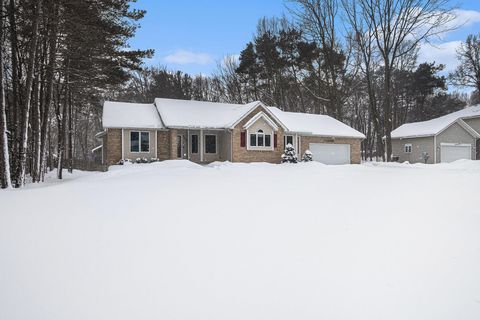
(207, 131)
(445, 139)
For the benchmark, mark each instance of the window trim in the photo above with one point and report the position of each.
(257, 147)
(139, 141)
(205, 143)
(285, 140)
(407, 145)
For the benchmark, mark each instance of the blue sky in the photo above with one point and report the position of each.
(193, 35)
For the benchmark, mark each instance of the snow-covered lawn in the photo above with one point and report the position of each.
(175, 240)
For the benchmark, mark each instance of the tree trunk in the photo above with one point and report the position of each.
(5, 181)
(15, 83)
(52, 35)
(20, 176)
(62, 124)
(36, 125)
(70, 133)
(388, 110)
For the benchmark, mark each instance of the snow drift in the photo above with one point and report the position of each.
(175, 240)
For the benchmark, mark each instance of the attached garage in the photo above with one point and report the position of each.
(450, 152)
(330, 153)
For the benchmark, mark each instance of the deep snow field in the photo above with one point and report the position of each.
(175, 240)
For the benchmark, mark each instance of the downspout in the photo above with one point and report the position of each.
(434, 149)
(299, 144)
(231, 145)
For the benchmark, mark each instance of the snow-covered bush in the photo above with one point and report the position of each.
(289, 154)
(154, 160)
(124, 161)
(307, 156)
(141, 160)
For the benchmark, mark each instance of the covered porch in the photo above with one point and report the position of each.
(200, 145)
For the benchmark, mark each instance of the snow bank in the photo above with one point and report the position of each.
(175, 240)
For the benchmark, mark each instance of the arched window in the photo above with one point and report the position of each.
(260, 139)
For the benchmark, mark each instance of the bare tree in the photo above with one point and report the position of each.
(230, 83)
(319, 20)
(467, 73)
(399, 26)
(362, 33)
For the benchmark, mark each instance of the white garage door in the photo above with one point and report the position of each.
(330, 153)
(450, 152)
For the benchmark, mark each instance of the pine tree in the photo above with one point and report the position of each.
(289, 155)
(307, 156)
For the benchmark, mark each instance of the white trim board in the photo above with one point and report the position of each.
(261, 115)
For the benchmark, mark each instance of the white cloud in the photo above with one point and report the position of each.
(444, 53)
(465, 18)
(188, 57)
(457, 20)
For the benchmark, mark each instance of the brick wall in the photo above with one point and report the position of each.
(163, 145)
(113, 142)
(355, 156)
(173, 143)
(241, 154)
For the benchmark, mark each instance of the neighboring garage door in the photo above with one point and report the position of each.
(450, 152)
(330, 153)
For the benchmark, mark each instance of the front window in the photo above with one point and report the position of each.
(253, 140)
(210, 143)
(408, 148)
(139, 141)
(260, 139)
(268, 140)
(288, 140)
(194, 143)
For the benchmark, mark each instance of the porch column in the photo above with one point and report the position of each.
(201, 145)
(188, 145)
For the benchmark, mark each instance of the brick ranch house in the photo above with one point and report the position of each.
(203, 132)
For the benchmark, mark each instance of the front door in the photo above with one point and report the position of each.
(180, 152)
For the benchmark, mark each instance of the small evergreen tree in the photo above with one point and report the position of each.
(289, 154)
(307, 156)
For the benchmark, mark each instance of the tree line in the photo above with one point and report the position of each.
(355, 60)
(57, 59)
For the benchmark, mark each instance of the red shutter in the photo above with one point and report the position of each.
(275, 140)
(242, 139)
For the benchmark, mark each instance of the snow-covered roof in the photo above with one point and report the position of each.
(434, 126)
(315, 124)
(174, 113)
(199, 114)
(130, 115)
